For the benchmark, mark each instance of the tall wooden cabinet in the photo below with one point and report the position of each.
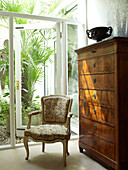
(103, 101)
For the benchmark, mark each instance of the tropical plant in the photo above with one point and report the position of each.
(34, 56)
(56, 8)
(35, 52)
(33, 105)
(4, 66)
(4, 111)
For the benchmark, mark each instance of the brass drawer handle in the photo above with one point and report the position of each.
(94, 80)
(95, 126)
(93, 51)
(95, 142)
(94, 64)
(94, 96)
(94, 111)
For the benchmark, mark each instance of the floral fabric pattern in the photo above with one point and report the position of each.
(47, 132)
(55, 109)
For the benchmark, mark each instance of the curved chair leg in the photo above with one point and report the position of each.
(67, 148)
(26, 146)
(64, 152)
(43, 146)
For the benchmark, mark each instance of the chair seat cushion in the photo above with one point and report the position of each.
(47, 132)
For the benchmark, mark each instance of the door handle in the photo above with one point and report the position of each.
(17, 85)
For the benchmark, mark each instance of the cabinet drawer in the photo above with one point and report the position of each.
(97, 113)
(97, 65)
(98, 129)
(105, 98)
(97, 82)
(97, 51)
(100, 145)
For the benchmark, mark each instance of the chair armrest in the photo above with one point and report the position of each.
(70, 115)
(68, 121)
(30, 115)
(34, 113)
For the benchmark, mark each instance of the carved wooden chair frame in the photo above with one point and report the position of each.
(66, 124)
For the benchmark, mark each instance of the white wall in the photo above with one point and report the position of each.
(95, 14)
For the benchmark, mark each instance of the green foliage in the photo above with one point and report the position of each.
(4, 111)
(12, 6)
(19, 6)
(4, 66)
(33, 105)
(34, 55)
(55, 8)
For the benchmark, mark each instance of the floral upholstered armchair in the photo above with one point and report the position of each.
(55, 123)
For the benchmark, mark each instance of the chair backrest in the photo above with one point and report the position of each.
(55, 108)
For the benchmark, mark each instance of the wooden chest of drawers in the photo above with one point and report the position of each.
(103, 101)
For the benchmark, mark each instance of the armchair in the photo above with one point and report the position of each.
(55, 123)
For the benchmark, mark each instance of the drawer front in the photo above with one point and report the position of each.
(97, 65)
(101, 130)
(97, 51)
(97, 82)
(100, 145)
(97, 113)
(104, 98)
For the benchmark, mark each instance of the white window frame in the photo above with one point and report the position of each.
(61, 61)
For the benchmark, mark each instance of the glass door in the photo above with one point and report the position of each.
(75, 40)
(4, 82)
(35, 66)
(35, 56)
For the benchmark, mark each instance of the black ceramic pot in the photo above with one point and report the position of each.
(99, 33)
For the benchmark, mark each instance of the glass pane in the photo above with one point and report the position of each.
(73, 72)
(37, 71)
(4, 83)
(37, 68)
